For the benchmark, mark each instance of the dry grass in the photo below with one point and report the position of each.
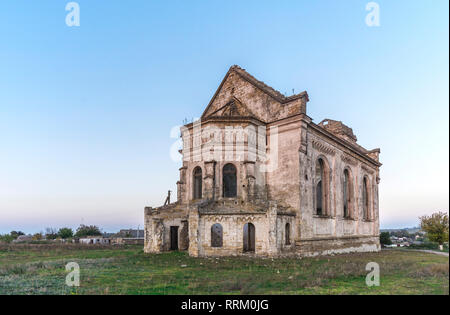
(32, 269)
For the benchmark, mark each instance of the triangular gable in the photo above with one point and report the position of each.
(225, 93)
(234, 108)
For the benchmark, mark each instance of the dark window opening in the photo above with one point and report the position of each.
(216, 235)
(366, 199)
(197, 183)
(322, 178)
(288, 234)
(319, 198)
(229, 181)
(249, 237)
(174, 238)
(346, 194)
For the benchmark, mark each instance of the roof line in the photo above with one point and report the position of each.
(258, 84)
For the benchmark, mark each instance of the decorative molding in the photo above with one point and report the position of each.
(349, 160)
(319, 146)
(367, 169)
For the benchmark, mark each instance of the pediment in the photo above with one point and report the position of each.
(261, 101)
(233, 108)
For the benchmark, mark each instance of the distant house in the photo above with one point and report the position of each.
(95, 240)
(23, 238)
(130, 233)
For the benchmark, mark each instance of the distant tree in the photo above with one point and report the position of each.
(51, 233)
(385, 238)
(85, 230)
(400, 233)
(6, 238)
(37, 237)
(436, 227)
(16, 234)
(65, 233)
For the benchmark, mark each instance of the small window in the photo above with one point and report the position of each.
(287, 233)
(249, 237)
(216, 235)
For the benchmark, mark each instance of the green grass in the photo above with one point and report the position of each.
(40, 269)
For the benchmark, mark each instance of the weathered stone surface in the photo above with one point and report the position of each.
(283, 161)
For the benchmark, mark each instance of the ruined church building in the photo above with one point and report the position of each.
(286, 186)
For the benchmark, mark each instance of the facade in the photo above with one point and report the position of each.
(260, 177)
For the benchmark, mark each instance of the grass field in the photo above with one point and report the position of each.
(40, 269)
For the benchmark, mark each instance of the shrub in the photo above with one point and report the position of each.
(436, 227)
(85, 230)
(385, 238)
(65, 233)
(6, 238)
(16, 234)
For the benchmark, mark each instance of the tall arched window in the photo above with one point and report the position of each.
(229, 181)
(216, 235)
(197, 183)
(287, 234)
(347, 197)
(322, 187)
(366, 199)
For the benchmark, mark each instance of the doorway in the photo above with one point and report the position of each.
(174, 238)
(249, 238)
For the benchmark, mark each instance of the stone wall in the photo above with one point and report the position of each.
(266, 235)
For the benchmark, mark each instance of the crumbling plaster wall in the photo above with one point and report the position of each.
(233, 233)
(338, 159)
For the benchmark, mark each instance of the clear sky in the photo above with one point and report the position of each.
(86, 112)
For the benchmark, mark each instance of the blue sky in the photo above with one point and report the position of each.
(86, 112)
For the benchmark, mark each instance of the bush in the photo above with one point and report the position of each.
(6, 238)
(37, 237)
(65, 233)
(436, 226)
(16, 234)
(85, 230)
(385, 238)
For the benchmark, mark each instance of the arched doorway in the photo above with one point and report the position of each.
(249, 237)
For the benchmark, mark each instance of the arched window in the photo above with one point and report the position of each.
(249, 237)
(197, 183)
(229, 181)
(216, 235)
(288, 234)
(347, 197)
(366, 199)
(322, 187)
